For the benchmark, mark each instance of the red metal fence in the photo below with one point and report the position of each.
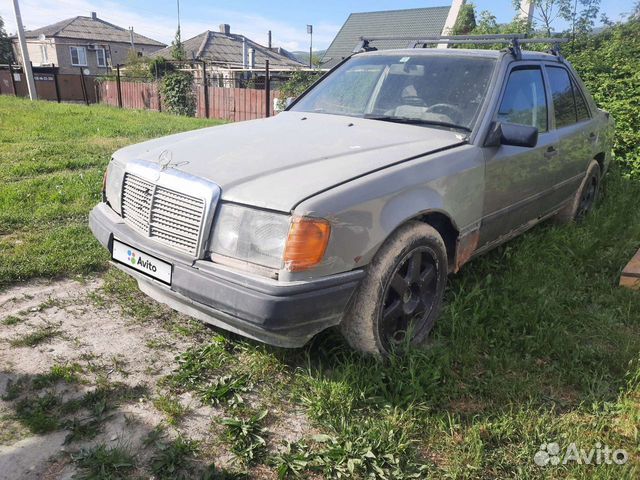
(50, 85)
(233, 104)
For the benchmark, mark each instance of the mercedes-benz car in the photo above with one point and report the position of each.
(353, 205)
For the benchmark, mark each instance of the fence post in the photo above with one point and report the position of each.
(85, 97)
(13, 82)
(55, 84)
(206, 89)
(267, 90)
(118, 88)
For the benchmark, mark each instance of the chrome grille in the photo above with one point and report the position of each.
(165, 215)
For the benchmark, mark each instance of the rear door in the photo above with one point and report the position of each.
(518, 179)
(576, 133)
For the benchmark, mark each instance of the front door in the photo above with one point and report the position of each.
(519, 179)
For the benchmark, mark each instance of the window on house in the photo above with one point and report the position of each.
(101, 57)
(524, 101)
(79, 56)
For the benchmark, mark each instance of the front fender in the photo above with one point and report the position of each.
(366, 211)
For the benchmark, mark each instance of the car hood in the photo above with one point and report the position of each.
(277, 162)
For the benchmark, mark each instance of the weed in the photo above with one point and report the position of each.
(198, 365)
(175, 460)
(294, 461)
(170, 405)
(41, 335)
(104, 463)
(59, 372)
(14, 388)
(39, 414)
(12, 320)
(82, 429)
(226, 388)
(247, 436)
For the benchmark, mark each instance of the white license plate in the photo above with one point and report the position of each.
(142, 262)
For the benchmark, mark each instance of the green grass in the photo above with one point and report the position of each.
(170, 405)
(52, 159)
(536, 343)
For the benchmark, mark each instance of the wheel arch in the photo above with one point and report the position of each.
(443, 223)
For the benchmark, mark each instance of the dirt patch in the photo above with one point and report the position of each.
(63, 343)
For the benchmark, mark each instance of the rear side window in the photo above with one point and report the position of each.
(568, 103)
(581, 105)
(524, 101)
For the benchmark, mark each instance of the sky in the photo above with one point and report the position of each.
(252, 18)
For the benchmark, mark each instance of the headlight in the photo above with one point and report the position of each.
(250, 235)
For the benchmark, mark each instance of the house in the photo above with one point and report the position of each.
(232, 59)
(89, 43)
(414, 22)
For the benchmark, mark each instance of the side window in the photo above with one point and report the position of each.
(562, 93)
(524, 101)
(581, 105)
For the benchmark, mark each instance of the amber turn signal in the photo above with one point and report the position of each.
(306, 244)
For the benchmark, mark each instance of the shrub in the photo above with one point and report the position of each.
(296, 85)
(177, 93)
(609, 64)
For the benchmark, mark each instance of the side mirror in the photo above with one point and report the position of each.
(512, 134)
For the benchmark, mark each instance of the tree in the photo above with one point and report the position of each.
(580, 14)
(545, 11)
(466, 21)
(6, 48)
(177, 48)
(137, 67)
(583, 19)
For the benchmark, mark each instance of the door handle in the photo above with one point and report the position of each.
(592, 137)
(551, 152)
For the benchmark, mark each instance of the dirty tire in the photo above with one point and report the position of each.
(584, 199)
(373, 312)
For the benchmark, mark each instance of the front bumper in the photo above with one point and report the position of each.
(285, 314)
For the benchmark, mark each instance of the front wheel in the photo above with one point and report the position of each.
(400, 298)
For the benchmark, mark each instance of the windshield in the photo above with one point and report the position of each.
(421, 89)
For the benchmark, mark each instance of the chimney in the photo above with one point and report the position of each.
(94, 16)
(225, 28)
(252, 58)
(269, 41)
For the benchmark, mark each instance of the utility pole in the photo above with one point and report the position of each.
(26, 63)
(310, 32)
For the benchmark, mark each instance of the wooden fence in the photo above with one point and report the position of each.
(233, 104)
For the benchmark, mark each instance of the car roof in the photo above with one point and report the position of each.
(461, 52)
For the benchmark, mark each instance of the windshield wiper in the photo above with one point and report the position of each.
(415, 121)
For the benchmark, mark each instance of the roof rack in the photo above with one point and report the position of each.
(516, 40)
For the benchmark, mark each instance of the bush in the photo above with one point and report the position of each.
(609, 64)
(296, 85)
(177, 93)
